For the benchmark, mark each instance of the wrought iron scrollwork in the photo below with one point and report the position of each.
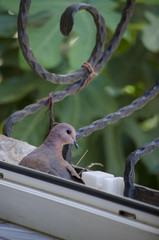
(98, 58)
(131, 161)
(66, 25)
(138, 192)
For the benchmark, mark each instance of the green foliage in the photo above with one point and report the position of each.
(130, 72)
(7, 25)
(152, 43)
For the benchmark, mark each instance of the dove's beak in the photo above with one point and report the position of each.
(75, 143)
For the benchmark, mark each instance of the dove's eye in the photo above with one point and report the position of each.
(68, 131)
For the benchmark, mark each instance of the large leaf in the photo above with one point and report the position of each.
(140, 138)
(16, 88)
(150, 33)
(10, 55)
(45, 41)
(83, 39)
(36, 5)
(8, 25)
(155, 2)
(33, 129)
(113, 152)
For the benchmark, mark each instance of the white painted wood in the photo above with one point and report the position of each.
(69, 214)
(12, 231)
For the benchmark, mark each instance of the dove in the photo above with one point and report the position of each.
(48, 156)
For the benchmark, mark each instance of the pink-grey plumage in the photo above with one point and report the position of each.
(48, 156)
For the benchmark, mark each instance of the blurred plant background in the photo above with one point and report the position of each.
(133, 69)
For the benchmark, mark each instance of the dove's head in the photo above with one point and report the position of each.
(65, 134)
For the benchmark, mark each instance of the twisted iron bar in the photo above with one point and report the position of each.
(115, 40)
(121, 113)
(66, 25)
(96, 59)
(131, 161)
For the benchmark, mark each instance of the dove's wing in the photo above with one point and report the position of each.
(38, 161)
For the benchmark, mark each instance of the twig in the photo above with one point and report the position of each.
(81, 158)
(90, 166)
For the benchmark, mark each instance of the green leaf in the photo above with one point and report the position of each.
(114, 157)
(45, 43)
(14, 89)
(45, 40)
(18, 87)
(10, 5)
(148, 2)
(8, 25)
(10, 54)
(150, 33)
(83, 40)
(33, 128)
(140, 138)
(82, 44)
(36, 5)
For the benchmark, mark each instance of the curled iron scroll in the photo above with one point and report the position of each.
(131, 161)
(66, 26)
(72, 89)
